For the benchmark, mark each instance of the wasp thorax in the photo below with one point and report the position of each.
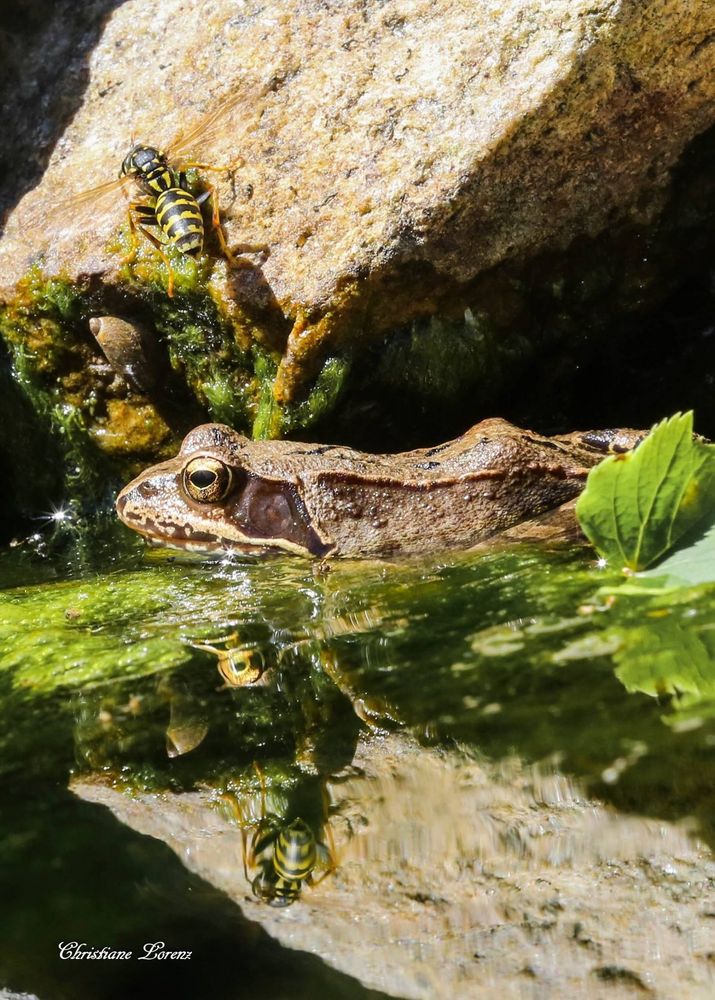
(207, 480)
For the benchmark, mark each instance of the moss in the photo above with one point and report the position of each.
(440, 360)
(46, 365)
(199, 328)
(273, 420)
(203, 349)
(37, 325)
(268, 420)
(322, 398)
(55, 359)
(139, 423)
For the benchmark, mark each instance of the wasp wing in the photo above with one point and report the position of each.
(83, 211)
(191, 144)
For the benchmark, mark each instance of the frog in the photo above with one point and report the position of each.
(226, 493)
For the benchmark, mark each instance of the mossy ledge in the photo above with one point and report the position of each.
(213, 362)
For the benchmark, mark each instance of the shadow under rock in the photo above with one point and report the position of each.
(44, 52)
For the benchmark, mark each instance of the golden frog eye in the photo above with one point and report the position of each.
(207, 480)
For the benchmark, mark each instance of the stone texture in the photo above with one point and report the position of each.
(465, 879)
(393, 150)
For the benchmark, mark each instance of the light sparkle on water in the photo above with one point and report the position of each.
(56, 515)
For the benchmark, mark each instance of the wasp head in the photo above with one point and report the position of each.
(139, 159)
(274, 890)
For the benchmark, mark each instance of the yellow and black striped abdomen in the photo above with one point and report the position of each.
(157, 178)
(179, 217)
(295, 853)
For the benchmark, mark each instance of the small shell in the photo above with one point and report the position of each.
(187, 727)
(128, 347)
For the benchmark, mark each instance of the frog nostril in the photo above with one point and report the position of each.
(147, 491)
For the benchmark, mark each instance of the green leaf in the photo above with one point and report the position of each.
(693, 564)
(636, 506)
(666, 656)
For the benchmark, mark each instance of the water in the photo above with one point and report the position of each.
(526, 684)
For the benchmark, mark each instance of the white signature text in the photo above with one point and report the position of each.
(152, 951)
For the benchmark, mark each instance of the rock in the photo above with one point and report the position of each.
(459, 878)
(392, 153)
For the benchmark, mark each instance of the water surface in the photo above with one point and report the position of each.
(511, 654)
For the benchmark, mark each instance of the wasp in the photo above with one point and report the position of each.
(280, 857)
(168, 205)
(171, 207)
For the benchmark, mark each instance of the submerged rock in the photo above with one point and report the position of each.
(458, 878)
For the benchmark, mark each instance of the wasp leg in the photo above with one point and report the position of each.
(216, 223)
(234, 165)
(242, 247)
(262, 248)
(246, 852)
(212, 194)
(130, 257)
(209, 644)
(313, 882)
(262, 778)
(160, 247)
(249, 854)
(144, 213)
(329, 848)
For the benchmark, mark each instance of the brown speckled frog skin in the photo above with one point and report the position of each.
(224, 492)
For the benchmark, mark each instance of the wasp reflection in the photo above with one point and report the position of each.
(281, 855)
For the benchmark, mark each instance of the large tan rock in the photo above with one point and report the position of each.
(393, 150)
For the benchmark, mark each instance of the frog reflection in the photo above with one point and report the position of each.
(237, 665)
(179, 720)
(281, 856)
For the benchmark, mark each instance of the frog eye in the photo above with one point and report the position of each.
(207, 480)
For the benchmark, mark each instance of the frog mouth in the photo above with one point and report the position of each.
(186, 538)
(162, 534)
